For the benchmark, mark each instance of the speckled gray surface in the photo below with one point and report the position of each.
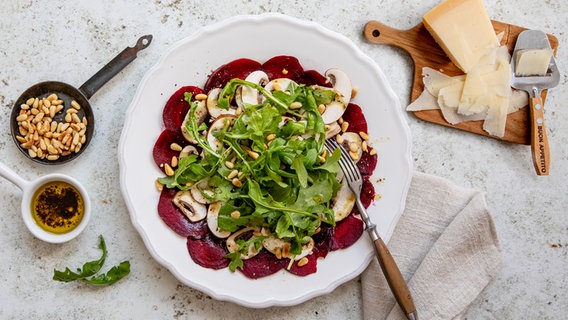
(70, 40)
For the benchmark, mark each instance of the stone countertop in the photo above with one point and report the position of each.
(70, 40)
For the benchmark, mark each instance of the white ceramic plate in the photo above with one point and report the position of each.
(189, 62)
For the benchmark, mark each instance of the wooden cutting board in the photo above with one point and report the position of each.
(425, 52)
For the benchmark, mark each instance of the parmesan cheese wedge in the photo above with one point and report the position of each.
(464, 31)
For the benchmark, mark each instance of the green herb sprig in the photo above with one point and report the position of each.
(90, 269)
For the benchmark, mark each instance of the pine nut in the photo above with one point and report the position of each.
(364, 135)
(235, 214)
(169, 171)
(236, 182)
(252, 154)
(200, 96)
(295, 105)
(233, 174)
(321, 108)
(75, 105)
(174, 161)
(344, 126)
(159, 185)
(229, 164)
(175, 147)
(303, 262)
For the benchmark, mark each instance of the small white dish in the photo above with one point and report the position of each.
(29, 189)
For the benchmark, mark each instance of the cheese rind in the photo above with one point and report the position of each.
(463, 29)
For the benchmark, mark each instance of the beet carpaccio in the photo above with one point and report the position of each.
(247, 178)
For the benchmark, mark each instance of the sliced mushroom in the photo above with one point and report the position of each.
(245, 234)
(213, 108)
(187, 150)
(217, 125)
(352, 142)
(251, 96)
(212, 220)
(201, 115)
(307, 249)
(344, 200)
(192, 209)
(281, 248)
(332, 129)
(198, 190)
(277, 246)
(280, 84)
(342, 87)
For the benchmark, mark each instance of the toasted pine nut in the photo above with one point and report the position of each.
(75, 105)
(252, 154)
(229, 164)
(303, 262)
(364, 135)
(174, 161)
(235, 214)
(233, 174)
(295, 105)
(200, 96)
(321, 108)
(373, 152)
(168, 169)
(159, 185)
(353, 147)
(236, 182)
(175, 147)
(344, 126)
(354, 155)
(52, 97)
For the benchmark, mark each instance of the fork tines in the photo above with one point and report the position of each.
(349, 168)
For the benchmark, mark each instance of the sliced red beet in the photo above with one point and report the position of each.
(239, 68)
(308, 268)
(162, 152)
(208, 252)
(354, 115)
(322, 241)
(367, 193)
(176, 108)
(347, 232)
(312, 77)
(367, 163)
(283, 67)
(173, 218)
(262, 265)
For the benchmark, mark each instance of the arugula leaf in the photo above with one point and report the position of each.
(91, 268)
(113, 275)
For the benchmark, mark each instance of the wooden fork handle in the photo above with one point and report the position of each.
(539, 139)
(395, 279)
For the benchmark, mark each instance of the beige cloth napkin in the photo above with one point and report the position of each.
(445, 245)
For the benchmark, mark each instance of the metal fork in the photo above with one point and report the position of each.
(391, 271)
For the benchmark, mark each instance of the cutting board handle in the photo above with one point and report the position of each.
(379, 33)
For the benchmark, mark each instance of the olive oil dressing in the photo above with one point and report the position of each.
(57, 207)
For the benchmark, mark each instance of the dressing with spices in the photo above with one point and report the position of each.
(57, 207)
